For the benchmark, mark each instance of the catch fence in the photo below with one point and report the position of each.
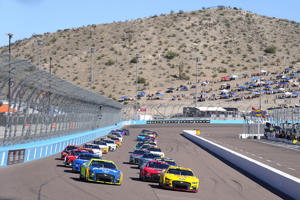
(276, 123)
(35, 104)
(172, 111)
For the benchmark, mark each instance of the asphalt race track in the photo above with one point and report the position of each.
(49, 179)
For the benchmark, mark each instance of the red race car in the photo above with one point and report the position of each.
(152, 170)
(72, 156)
(67, 150)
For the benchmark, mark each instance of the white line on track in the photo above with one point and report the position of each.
(291, 169)
(278, 164)
(269, 161)
(261, 157)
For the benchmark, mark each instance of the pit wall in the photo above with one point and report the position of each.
(39, 149)
(285, 183)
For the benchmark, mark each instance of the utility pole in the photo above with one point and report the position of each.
(92, 67)
(39, 43)
(196, 88)
(136, 84)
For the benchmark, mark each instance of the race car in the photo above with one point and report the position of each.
(82, 158)
(70, 157)
(170, 161)
(126, 131)
(103, 146)
(88, 150)
(112, 146)
(150, 133)
(179, 178)
(140, 144)
(102, 171)
(96, 149)
(133, 158)
(67, 150)
(145, 158)
(152, 170)
(116, 140)
(156, 151)
(117, 135)
(141, 136)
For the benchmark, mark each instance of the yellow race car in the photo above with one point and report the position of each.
(179, 178)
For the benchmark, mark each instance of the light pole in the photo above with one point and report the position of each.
(7, 126)
(39, 43)
(261, 58)
(196, 88)
(50, 73)
(92, 68)
(136, 86)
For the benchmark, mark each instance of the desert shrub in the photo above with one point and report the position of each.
(270, 49)
(134, 60)
(170, 55)
(141, 80)
(110, 62)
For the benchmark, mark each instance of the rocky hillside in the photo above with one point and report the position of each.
(227, 41)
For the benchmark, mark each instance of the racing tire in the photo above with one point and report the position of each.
(81, 177)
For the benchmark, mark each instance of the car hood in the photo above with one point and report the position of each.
(105, 170)
(174, 177)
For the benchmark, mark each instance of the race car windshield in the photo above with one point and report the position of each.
(138, 152)
(87, 157)
(180, 172)
(75, 153)
(91, 146)
(154, 149)
(170, 162)
(102, 164)
(158, 165)
(100, 143)
(139, 145)
(69, 148)
(109, 141)
(149, 156)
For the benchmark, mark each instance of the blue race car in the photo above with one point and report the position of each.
(82, 158)
(101, 171)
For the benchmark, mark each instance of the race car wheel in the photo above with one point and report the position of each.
(81, 177)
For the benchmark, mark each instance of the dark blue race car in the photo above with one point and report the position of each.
(82, 158)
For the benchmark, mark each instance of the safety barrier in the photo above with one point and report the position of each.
(35, 150)
(194, 121)
(178, 121)
(285, 183)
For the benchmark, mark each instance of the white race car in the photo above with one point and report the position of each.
(97, 150)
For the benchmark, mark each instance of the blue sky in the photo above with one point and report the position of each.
(26, 17)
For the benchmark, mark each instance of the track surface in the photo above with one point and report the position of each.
(282, 156)
(48, 179)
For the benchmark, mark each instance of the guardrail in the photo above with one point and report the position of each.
(285, 183)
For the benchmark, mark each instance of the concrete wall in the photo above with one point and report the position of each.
(40, 149)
